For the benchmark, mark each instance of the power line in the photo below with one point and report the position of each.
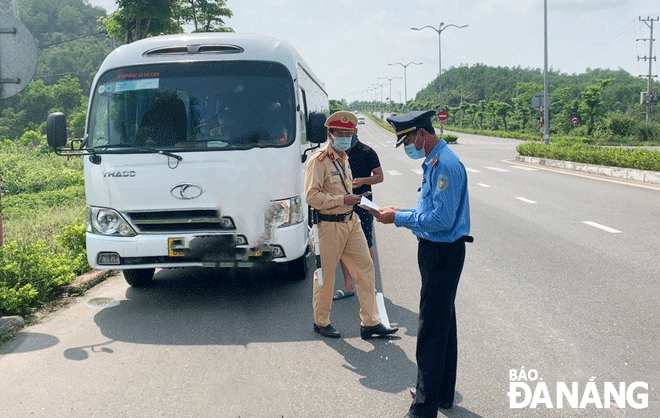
(617, 36)
(73, 39)
(61, 74)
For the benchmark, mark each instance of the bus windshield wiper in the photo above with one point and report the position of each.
(153, 150)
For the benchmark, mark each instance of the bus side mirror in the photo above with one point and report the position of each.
(316, 130)
(56, 130)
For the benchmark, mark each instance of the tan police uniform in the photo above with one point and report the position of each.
(326, 170)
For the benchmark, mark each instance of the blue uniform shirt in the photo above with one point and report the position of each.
(443, 210)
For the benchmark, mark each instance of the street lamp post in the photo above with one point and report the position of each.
(381, 91)
(390, 83)
(405, 79)
(439, 31)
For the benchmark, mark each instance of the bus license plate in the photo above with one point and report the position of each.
(174, 246)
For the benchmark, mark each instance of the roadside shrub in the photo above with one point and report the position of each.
(17, 301)
(639, 158)
(449, 138)
(43, 211)
(619, 125)
(646, 132)
(29, 276)
(72, 240)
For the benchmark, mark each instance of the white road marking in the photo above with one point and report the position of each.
(526, 200)
(603, 227)
(380, 301)
(393, 173)
(417, 171)
(483, 185)
(592, 177)
(472, 170)
(370, 135)
(519, 167)
(501, 170)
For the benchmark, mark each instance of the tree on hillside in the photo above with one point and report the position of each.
(67, 34)
(55, 20)
(137, 19)
(67, 95)
(591, 102)
(205, 15)
(563, 107)
(502, 109)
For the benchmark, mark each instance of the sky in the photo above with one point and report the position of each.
(349, 43)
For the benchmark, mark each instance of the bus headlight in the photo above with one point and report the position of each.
(106, 221)
(291, 212)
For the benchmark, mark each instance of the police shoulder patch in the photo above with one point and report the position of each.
(443, 183)
(320, 155)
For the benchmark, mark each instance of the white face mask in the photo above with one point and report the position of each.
(341, 143)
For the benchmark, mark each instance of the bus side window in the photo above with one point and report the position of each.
(303, 124)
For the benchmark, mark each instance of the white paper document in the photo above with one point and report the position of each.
(368, 204)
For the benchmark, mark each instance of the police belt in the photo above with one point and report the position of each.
(464, 238)
(335, 218)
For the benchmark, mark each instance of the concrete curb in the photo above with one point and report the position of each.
(615, 172)
(12, 324)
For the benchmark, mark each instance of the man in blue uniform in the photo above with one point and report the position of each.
(441, 222)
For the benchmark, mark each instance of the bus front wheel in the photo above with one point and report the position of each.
(139, 277)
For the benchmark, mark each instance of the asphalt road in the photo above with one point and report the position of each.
(562, 278)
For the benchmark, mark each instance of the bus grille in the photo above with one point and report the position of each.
(180, 221)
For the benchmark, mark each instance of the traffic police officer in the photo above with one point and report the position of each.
(328, 189)
(441, 222)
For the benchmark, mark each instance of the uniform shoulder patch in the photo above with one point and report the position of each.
(320, 155)
(443, 183)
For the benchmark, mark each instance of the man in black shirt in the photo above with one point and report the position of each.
(367, 171)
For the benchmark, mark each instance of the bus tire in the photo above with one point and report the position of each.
(139, 277)
(301, 268)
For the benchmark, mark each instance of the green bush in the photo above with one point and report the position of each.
(640, 159)
(619, 125)
(15, 301)
(72, 240)
(647, 132)
(43, 211)
(29, 276)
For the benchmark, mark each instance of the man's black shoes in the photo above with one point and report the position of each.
(445, 405)
(376, 331)
(328, 331)
(365, 332)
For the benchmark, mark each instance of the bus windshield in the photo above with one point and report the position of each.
(221, 105)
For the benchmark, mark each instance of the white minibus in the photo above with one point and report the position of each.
(195, 149)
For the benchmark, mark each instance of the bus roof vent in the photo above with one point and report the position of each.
(219, 49)
(194, 49)
(168, 50)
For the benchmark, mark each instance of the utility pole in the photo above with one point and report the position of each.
(546, 96)
(649, 99)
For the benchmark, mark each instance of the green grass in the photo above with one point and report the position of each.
(43, 209)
